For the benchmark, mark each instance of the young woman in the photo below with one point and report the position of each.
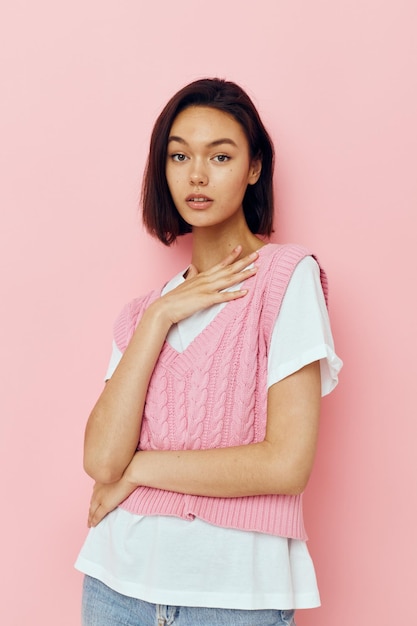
(204, 436)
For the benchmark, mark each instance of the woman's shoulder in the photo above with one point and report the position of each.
(127, 319)
(285, 258)
(292, 262)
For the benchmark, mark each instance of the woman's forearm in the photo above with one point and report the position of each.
(255, 469)
(280, 464)
(248, 470)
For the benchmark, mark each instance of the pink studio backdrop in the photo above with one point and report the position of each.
(82, 83)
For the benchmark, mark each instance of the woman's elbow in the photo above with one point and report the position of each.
(296, 488)
(101, 471)
(292, 479)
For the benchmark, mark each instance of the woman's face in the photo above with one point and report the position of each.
(209, 167)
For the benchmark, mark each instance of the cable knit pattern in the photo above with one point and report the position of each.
(214, 395)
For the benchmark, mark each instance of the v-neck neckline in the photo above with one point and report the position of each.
(191, 352)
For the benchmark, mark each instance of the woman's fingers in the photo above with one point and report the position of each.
(106, 497)
(201, 290)
(92, 514)
(192, 272)
(232, 261)
(230, 258)
(227, 273)
(230, 270)
(97, 509)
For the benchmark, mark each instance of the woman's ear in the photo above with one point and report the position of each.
(255, 171)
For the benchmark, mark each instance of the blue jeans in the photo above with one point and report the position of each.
(102, 606)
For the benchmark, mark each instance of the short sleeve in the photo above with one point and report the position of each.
(302, 332)
(115, 357)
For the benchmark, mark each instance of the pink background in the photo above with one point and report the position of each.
(82, 83)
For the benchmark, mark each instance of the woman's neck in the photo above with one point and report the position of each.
(210, 246)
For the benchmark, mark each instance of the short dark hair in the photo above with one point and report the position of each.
(160, 215)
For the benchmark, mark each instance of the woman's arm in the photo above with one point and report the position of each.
(113, 428)
(281, 464)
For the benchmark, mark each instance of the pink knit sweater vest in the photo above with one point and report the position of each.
(214, 395)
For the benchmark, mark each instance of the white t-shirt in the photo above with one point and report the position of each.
(169, 560)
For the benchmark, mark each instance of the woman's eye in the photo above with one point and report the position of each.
(222, 158)
(178, 157)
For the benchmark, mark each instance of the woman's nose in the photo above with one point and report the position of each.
(198, 176)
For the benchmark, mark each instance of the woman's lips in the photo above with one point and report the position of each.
(198, 201)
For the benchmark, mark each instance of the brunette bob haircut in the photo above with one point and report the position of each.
(160, 215)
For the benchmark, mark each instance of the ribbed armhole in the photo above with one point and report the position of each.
(281, 269)
(128, 318)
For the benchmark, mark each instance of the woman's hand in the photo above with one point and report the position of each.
(201, 290)
(106, 497)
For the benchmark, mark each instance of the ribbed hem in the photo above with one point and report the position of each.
(271, 514)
